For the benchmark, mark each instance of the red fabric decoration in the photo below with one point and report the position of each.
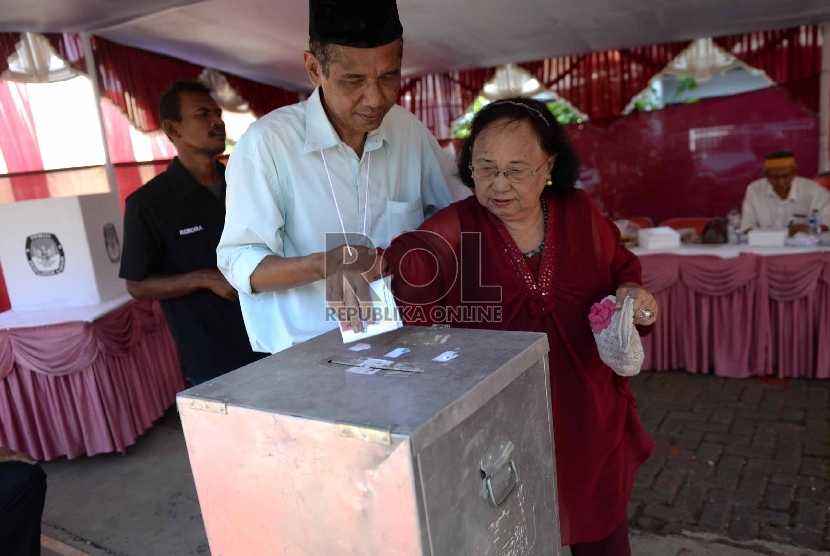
(87, 388)
(439, 99)
(262, 98)
(8, 44)
(602, 84)
(5, 303)
(69, 47)
(135, 79)
(748, 316)
(785, 55)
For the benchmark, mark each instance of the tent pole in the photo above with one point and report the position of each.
(824, 102)
(92, 73)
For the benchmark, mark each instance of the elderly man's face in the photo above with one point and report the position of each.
(361, 86)
(781, 180)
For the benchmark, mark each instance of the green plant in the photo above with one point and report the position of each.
(462, 127)
(687, 83)
(651, 101)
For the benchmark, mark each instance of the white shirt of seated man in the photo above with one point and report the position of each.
(783, 200)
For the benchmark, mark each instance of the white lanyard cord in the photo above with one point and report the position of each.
(366, 207)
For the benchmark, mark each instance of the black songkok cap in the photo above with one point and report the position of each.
(355, 23)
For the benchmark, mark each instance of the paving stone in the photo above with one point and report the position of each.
(807, 540)
(767, 442)
(818, 394)
(672, 425)
(648, 523)
(728, 472)
(808, 495)
(765, 439)
(774, 466)
(648, 471)
(727, 439)
(751, 394)
(774, 533)
(743, 427)
(793, 415)
(690, 501)
(770, 517)
(748, 451)
(708, 428)
(753, 485)
(715, 516)
(723, 416)
(743, 530)
(779, 497)
(813, 467)
(817, 449)
(690, 439)
(709, 452)
(667, 484)
(797, 480)
(811, 516)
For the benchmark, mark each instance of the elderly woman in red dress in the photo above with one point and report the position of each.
(532, 245)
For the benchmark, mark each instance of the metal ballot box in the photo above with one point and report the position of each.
(320, 450)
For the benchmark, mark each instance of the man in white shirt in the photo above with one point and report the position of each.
(310, 177)
(782, 200)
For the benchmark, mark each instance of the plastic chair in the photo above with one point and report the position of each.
(698, 223)
(823, 179)
(640, 221)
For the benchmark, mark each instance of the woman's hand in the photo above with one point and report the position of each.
(644, 303)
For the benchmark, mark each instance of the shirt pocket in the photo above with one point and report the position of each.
(403, 216)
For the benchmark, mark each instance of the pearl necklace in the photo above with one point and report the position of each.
(538, 250)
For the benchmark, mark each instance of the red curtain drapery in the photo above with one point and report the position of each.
(601, 84)
(262, 98)
(135, 79)
(438, 99)
(70, 48)
(8, 44)
(785, 55)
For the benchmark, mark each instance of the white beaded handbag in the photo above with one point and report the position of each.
(617, 338)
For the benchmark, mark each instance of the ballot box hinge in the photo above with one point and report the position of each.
(211, 406)
(377, 436)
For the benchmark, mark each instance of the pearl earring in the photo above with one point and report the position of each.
(549, 182)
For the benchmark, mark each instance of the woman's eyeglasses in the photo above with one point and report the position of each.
(513, 175)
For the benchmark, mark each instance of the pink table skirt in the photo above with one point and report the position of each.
(87, 388)
(747, 316)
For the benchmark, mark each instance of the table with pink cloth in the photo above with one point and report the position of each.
(85, 387)
(740, 312)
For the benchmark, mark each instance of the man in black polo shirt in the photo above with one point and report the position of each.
(172, 226)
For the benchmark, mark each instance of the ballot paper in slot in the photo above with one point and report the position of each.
(387, 316)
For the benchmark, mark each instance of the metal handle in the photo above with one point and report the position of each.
(488, 487)
(497, 458)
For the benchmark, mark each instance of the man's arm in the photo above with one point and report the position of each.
(7, 454)
(250, 253)
(171, 286)
(141, 263)
(749, 217)
(279, 273)
(821, 203)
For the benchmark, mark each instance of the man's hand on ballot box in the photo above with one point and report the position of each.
(349, 270)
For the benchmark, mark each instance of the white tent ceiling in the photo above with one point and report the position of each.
(264, 39)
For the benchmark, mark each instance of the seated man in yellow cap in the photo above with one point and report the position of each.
(784, 200)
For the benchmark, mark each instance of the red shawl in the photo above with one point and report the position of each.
(598, 437)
